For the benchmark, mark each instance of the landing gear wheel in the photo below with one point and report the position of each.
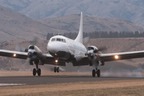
(34, 72)
(39, 72)
(98, 73)
(93, 73)
(55, 69)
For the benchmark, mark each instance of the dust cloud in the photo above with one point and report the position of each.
(138, 72)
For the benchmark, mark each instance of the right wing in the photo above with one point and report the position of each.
(45, 58)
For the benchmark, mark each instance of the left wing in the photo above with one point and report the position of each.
(121, 55)
(110, 57)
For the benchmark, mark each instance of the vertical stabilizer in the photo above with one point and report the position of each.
(79, 37)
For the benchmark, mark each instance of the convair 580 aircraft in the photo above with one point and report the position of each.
(62, 50)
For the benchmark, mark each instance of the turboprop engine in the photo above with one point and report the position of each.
(93, 55)
(34, 54)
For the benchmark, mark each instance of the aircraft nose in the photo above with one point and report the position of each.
(52, 47)
(55, 47)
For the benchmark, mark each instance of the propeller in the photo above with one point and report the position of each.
(32, 52)
(94, 49)
(93, 54)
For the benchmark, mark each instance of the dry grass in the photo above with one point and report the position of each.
(128, 91)
(104, 88)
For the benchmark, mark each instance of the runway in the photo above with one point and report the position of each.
(55, 84)
(30, 80)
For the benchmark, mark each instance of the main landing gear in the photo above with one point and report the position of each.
(96, 72)
(36, 71)
(56, 69)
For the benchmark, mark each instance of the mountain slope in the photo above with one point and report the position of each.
(131, 10)
(70, 23)
(14, 25)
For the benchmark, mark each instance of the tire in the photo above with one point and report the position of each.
(93, 73)
(98, 73)
(39, 72)
(34, 72)
(55, 69)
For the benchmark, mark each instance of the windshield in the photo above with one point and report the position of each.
(58, 39)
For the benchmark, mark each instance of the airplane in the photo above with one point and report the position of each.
(62, 50)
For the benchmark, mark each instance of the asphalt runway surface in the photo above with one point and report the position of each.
(30, 80)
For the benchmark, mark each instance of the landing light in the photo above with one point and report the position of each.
(14, 55)
(56, 61)
(116, 57)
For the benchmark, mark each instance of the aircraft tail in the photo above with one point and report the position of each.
(79, 37)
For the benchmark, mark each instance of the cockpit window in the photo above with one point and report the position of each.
(58, 39)
(53, 39)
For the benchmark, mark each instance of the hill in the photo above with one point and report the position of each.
(131, 10)
(70, 23)
(14, 25)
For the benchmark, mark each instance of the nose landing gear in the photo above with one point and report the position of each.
(56, 69)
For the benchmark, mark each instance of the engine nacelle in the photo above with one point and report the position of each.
(93, 55)
(33, 51)
(35, 55)
(35, 61)
(35, 48)
(91, 51)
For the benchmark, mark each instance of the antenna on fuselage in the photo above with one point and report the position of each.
(79, 37)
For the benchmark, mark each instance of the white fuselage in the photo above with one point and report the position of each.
(65, 48)
(60, 44)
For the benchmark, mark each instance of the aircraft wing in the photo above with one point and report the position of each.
(14, 54)
(121, 55)
(46, 58)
